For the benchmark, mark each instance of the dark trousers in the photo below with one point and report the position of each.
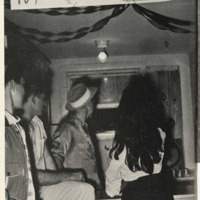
(151, 187)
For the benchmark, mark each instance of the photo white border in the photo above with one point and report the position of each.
(2, 103)
(2, 154)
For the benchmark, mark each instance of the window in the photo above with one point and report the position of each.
(110, 83)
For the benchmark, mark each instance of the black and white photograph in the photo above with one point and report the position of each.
(101, 99)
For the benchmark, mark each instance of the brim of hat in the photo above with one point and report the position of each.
(93, 91)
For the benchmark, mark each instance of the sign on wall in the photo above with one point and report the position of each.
(42, 4)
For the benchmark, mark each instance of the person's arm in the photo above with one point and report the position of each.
(49, 161)
(113, 179)
(113, 175)
(61, 144)
(46, 177)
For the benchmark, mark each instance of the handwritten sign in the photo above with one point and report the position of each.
(42, 4)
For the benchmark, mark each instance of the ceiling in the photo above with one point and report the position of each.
(129, 33)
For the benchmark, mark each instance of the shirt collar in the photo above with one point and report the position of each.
(78, 123)
(11, 119)
(35, 119)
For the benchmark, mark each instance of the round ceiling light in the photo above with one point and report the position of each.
(102, 56)
(102, 44)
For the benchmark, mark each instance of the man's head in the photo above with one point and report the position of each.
(35, 97)
(14, 84)
(80, 99)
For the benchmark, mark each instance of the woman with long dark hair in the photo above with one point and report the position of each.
(138, 146)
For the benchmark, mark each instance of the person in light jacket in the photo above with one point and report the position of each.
(72, 145)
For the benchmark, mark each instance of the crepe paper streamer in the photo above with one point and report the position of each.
(46, 37)
(162, 22)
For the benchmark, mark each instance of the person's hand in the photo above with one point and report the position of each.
(78, 176)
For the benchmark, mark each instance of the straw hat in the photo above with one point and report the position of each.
(79, 95)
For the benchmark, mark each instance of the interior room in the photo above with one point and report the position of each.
(104, 46)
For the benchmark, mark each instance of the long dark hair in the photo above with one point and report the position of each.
(141, 112)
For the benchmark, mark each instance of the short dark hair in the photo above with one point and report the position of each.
(15, 71)
(36, 85)
(36, 81)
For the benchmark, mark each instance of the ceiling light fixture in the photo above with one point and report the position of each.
(102, 44)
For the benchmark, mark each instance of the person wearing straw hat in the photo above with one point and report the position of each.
(72, 146)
